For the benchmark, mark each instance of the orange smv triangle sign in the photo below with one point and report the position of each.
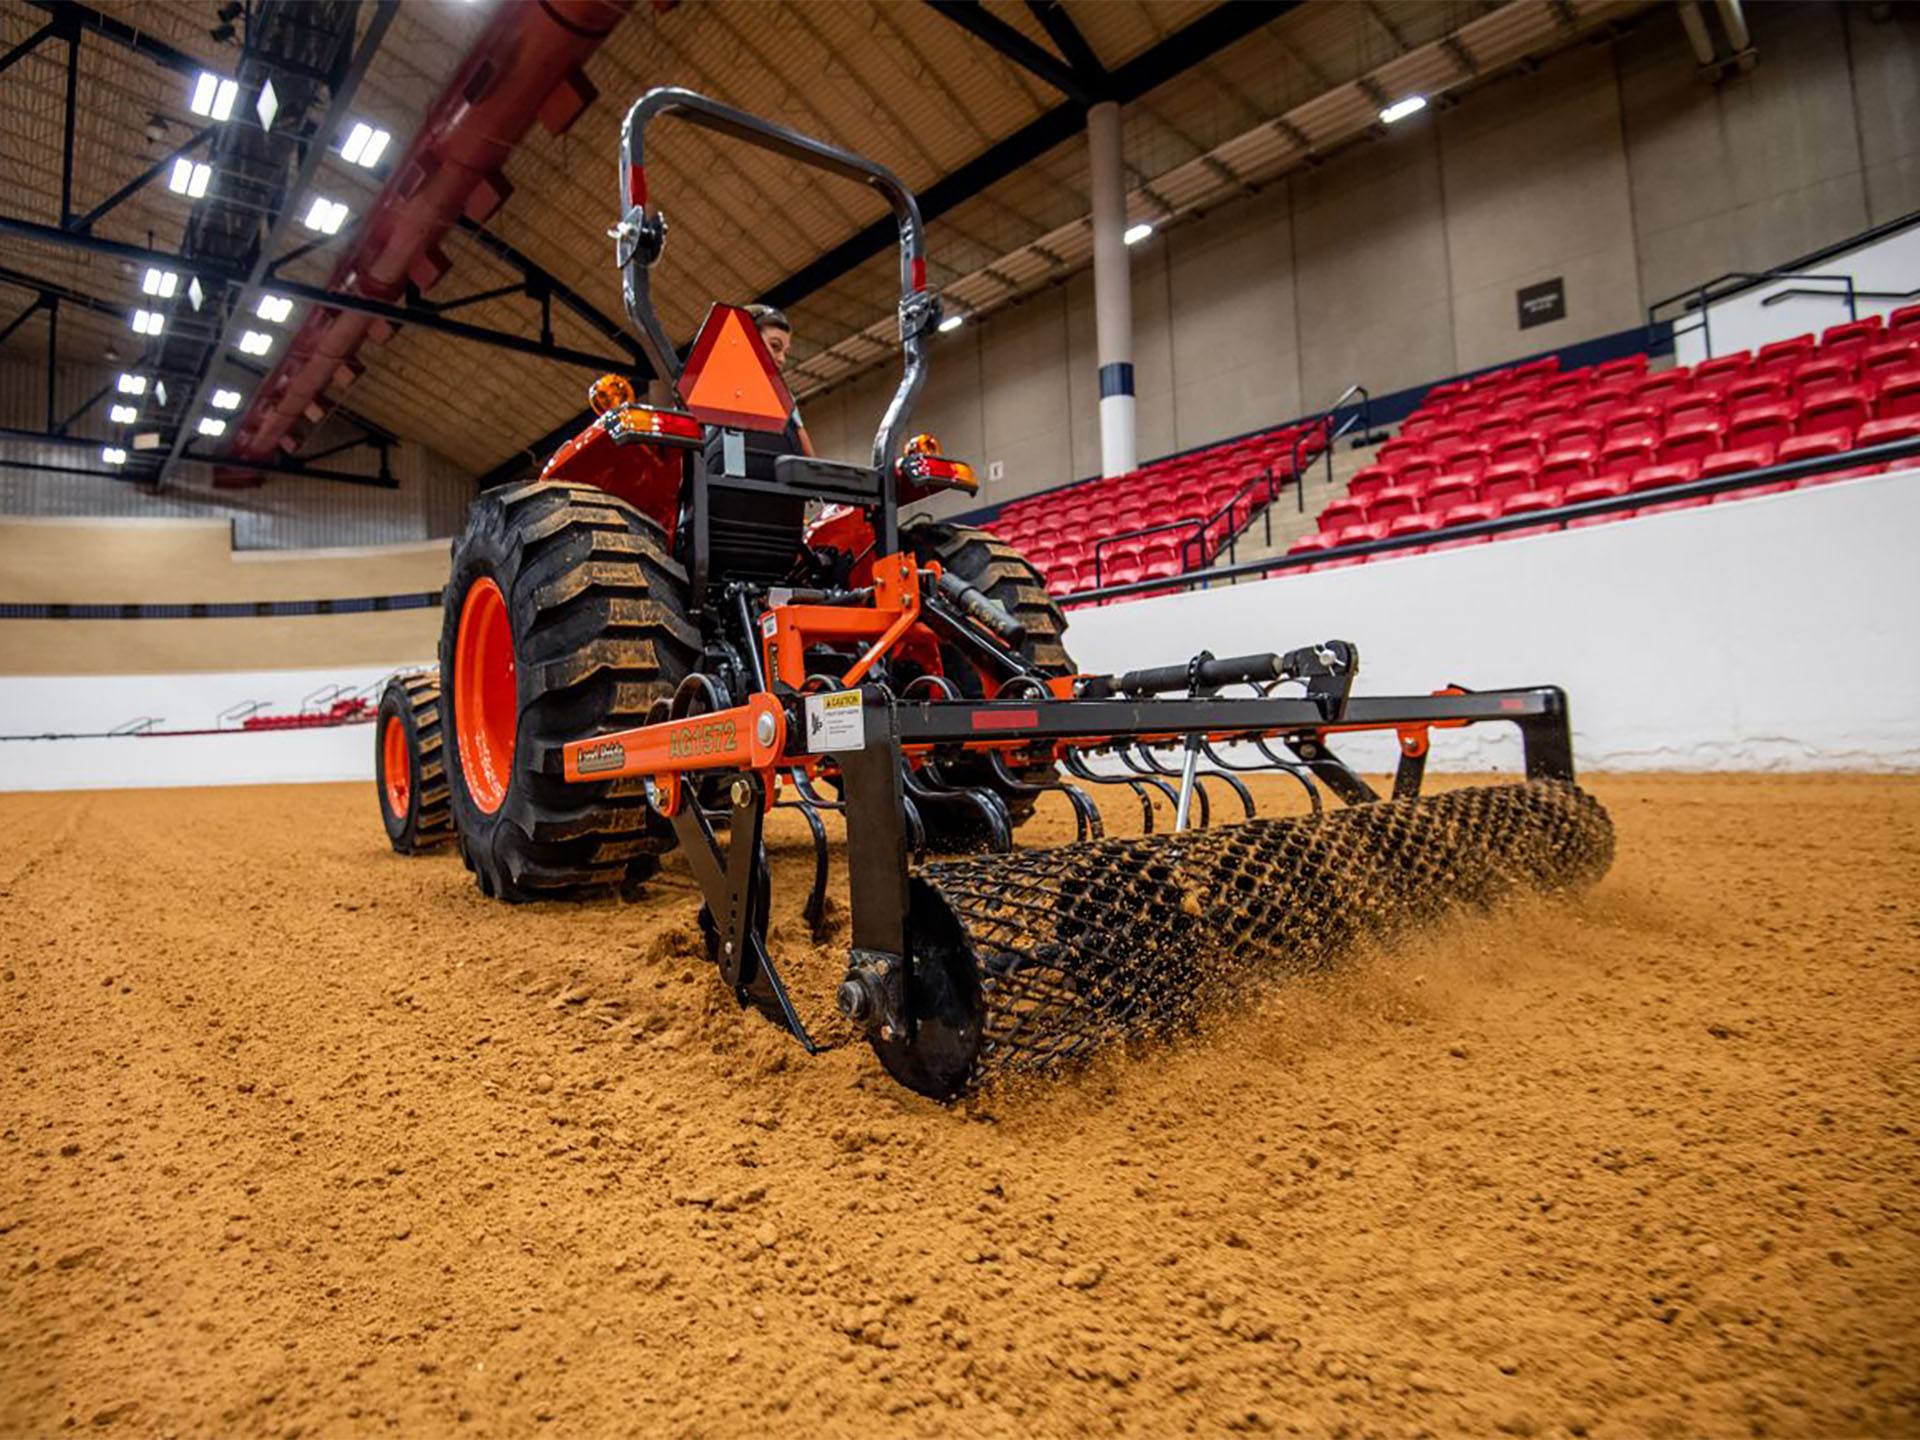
(730, 379)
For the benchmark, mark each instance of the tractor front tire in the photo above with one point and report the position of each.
(1002, 573)
(566, 618)
(409, 768)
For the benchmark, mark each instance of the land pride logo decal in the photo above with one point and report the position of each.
(601, 755)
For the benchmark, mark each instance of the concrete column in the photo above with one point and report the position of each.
(1112, 290)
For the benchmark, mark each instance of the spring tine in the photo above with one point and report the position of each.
(803, 783)
(1299, 772)
(916, 828)
(1086, 815)
(816, 907)
(1077, 765)
(1237, 785)
(927, 786)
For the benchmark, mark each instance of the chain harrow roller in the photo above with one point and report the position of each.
(1070, 948)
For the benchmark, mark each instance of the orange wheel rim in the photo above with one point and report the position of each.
(394, 767)
(485, 695)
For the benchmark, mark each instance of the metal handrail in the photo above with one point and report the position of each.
(1330, 435)
(1702, 297)
(1225, 512)
(1693, 490)
(1887, 296)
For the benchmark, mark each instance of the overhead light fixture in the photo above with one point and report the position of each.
(211, 426)
(952, 323)
(1134, 234)
(1400, 109)
(148, 322)
(113, 455)
(123, 414)
(275, 308)
(160, 393)
(365, 145)
(129, 384)
(267, 106)
(326, 216)
(194, 293)
(147, 440)
(226, 399)
(213, 96)
(255, 342)
(159, 282)
(190, 178)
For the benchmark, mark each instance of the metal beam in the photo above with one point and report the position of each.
(1060, 28)
(312, 294)
(139, 182)
(977, 21)
(339, 103)
(33, 309)
(252, 467)
(1180, 51)
(532, 270)
(28, 45)
(67, 13)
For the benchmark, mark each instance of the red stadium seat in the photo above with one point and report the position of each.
(1411, 525)
(1690, 405)
(1418, 471)
(1544, 414)
(1824, 371)
(1904, 321)
(1692, 437)
(1761, 386)
(1889, 356)
(1568, 462)
(1660, 477)
(1633, 420)
(1900, 395)
(1465, 515)
(1848, 405)
(1572, 432)
(1866, 328)
(1650, 390)
(1624, 456)
(1501, 482)
(1887, 429)
(1520, 444)
(1604, 488)
(1398, 449)
(1392, 504)
(1312, 544)
(1355, 535)
(1627, 367)
(1764, 424)
(1734, 461)
(1820, 442)
(1532, 502)
(1783, 354)
(1724, 366)
(1459, 452)
(1454, 488)
(1340, 514)
(1370, 481)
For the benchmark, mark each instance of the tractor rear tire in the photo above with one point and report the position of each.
(409, 769)
(566, 618)
(1002, 573)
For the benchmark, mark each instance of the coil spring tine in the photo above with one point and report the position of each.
(1077, 764)
(816, 907)
(1152, 764)
(1086, 815)
(1012, 783)
(992, 809)
(916, 828)
(1299, 772)
(803, 783)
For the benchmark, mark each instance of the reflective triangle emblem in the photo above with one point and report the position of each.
(730, 380)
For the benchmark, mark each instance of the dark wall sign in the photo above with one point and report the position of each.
(1542, 303)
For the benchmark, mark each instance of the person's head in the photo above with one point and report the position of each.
(775, 330)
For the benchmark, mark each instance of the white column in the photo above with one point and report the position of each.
(1112, 290)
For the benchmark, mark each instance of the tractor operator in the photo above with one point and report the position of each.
(776, 332)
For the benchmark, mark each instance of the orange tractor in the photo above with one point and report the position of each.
(683, 623)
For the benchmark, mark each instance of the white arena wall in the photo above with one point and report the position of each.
(1774, 633)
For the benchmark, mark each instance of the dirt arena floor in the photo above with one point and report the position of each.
(301, 1138)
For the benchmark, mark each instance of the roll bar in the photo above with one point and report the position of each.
(641, 235)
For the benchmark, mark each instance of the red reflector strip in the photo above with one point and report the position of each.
(637, 185)
(1513, 704)
(919, 274)
(1005, 719)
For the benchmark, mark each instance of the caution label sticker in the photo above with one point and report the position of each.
(836, 722)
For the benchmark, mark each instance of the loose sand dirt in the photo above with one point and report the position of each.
(301, 1137)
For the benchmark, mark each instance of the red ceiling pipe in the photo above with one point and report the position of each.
(454, 167)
